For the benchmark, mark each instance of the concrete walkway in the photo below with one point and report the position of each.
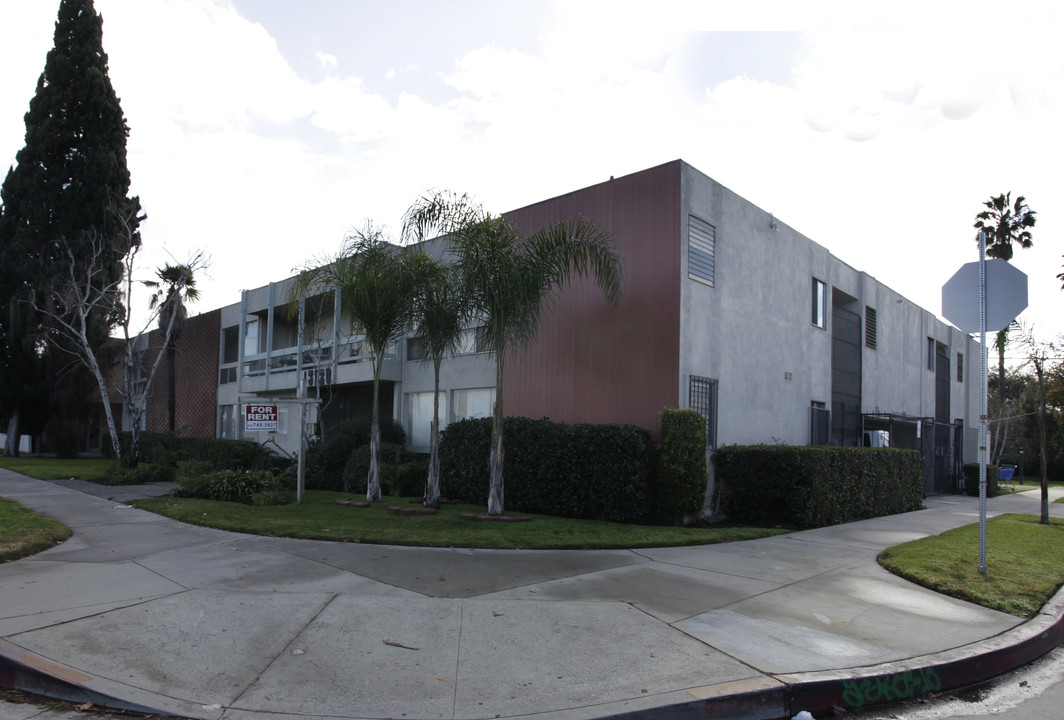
(137, 611)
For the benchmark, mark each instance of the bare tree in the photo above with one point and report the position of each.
(72, 304)
(1038, 355)
(85, 293)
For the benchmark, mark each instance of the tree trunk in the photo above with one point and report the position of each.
(373, 484)
(11, 443)
(432, 485)
(495, 493)
(171, 386)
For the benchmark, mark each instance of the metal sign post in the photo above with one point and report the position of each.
(982, 403)
(968, 289)
(303, 402)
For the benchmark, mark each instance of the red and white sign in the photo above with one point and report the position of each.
(260, 417)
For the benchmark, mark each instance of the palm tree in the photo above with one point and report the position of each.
(375, 286)
(176, 284)
(1002, 224)
(508, 279)
(438, 320)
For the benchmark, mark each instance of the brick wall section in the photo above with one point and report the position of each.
(196, 403)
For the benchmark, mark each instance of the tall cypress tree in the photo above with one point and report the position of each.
(69, 186)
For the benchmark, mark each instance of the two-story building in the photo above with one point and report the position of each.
(725, 309)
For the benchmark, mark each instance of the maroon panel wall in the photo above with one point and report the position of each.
(596, 363)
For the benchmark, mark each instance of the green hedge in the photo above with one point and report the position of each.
(809, 487)
(971, 480)
(682, 475)
(168, 450)
(401, 474)
(581, 471)
(327, 457)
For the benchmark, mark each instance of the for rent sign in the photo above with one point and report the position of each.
(260, 417)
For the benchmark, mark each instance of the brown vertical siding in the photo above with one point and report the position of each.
(196, 379)
(591, 362)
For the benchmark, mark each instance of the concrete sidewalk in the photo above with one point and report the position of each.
(140, 612)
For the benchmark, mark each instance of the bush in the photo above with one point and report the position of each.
(583, 471)
(971, 480)
(682, 474)
(142, 474)
(65, 437)
(242, 486)
(169, 450)
(398, 471)
(810, 487)
(326, 458)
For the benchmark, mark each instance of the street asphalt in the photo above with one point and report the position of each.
(140, 612)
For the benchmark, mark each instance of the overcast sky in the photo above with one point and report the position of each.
(261, 130)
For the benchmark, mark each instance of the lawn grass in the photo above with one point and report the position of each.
(1024, 559)
(45, 468)
(320, 518)
(24, 532)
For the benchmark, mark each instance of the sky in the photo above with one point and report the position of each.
(261, 131)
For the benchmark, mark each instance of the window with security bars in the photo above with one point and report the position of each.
(701, 250)
(870, 336)
(702, 398)
(819, 424)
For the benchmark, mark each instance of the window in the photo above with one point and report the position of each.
(230, 345)
(870, 337)
(419, 417)
(226, 376)
(474, 403)
(251, 336)
(960, 367)
(416, 349)
(930, 353)
(702, 397)
(473, 340)
(227, 426)
(701, 250)
(819, 424)
(819, 304)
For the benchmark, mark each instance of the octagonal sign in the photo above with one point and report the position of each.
(1006, 296)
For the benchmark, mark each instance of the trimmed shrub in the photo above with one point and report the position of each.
(327, 457)
(971, 480)
(582, 471)
(143, 473)
(808, 487)
(65, 437)
(241, 486)
(393, 458)
(168, 450)
(682, 474)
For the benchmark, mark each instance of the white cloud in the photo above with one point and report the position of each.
(879, 143)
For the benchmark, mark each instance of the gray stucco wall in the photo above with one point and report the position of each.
(753, 332)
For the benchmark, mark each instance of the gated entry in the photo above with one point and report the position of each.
(940, 446)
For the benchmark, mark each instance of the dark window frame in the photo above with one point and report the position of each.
(702, 395)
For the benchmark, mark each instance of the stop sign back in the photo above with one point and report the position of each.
(1006, 296)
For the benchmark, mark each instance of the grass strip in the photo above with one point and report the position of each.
(24, 532)
(320, 518)
(44, 468)
(1024, 559)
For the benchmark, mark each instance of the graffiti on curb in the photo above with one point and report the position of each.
(890, 688)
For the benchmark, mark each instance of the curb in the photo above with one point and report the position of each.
(778, 697)
(23, 670)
